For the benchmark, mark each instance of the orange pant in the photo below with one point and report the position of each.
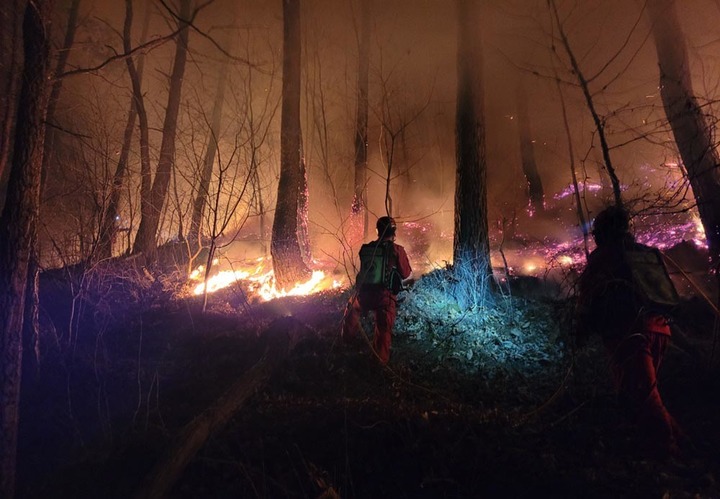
(384, 304)
(635, 361)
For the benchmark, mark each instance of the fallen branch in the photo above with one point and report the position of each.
(281, 337)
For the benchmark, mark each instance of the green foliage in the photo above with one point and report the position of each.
(460, 318)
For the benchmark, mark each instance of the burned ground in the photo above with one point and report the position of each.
(490, 405)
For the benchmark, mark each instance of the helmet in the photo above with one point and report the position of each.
(611, 224)
(386, 227)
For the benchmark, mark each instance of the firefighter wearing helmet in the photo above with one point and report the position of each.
(384, 266)
(625, 295)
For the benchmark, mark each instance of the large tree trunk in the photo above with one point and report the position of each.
(18, 227)
(32, 300)
(535, 191)
(145, 240)
(287, 259)
(10, 66)
(359, 203)
(471, 244)
(692, 134)
(195, 234)
(109, 223)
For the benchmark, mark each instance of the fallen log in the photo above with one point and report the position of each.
(281, 336)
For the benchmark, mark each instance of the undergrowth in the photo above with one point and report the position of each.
(465, 319)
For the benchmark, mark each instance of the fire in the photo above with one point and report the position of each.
(261, 281)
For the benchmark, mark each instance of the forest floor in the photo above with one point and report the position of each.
(500, 407)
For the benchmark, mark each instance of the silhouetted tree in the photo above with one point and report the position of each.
(288, 264)
(32, 304)
(145, 240)
(359, 202)
(471, 244)
(535, 192)
(108, 227)
(18, 226)
(210, 151)
(584, 84)
(692, 135)
(10, 65)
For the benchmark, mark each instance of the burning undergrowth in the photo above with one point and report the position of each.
(483, 330)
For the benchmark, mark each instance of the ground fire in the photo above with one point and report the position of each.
(259, 279)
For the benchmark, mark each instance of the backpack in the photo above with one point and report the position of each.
(376, 268)
(651, 280)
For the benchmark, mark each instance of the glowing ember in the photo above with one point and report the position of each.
(570, 189)
(261, 281)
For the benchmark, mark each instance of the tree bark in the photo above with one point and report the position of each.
(288, 264)
(32, 300)
(535, 191)
(359, 203)
(692, 135)
(303, 211)
(109, 225)
(281, 336)
(471, 244)
(10, 66)
(18, 226)
(145, 240)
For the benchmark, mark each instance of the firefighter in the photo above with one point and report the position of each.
(384, 266)
(633, 326)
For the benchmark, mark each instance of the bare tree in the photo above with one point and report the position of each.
(108, 228)
(359, 202)
(692, 135)
(210, 152)
(584, 84)
(288, 263)
(145, 240)
(18, 226)
(471, 244)
(31, 321)
(10, 66)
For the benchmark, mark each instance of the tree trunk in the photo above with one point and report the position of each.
(18, 227)
(359, 203)
(145, 240)
(11, 64)
(108, 228)
(195, 234)
(471, 244)
(32, 300)
(287, 259)
(303, 212)
(535, 192)
(63, 55)
(692, 134)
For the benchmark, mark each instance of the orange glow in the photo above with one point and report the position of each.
(260, 281)
(565, 260)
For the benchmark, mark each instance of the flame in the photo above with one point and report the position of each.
(261, 281)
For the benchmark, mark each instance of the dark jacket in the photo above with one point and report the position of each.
(610, 301)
